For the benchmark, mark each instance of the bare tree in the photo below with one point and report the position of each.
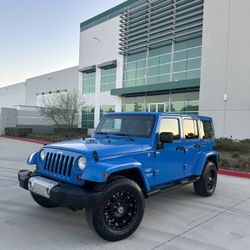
(63, 109)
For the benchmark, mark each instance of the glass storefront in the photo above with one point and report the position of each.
(106, 109)
(174, 102)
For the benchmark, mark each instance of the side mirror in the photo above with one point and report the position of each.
(166, 137)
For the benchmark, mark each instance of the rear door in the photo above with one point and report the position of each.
(192, 144)
(206, 134)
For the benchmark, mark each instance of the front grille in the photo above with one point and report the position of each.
(58, 164)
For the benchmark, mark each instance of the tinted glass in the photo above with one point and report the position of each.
(88, 115)
(170, 125)
(190, 129)
(127, 125)
(206, 129)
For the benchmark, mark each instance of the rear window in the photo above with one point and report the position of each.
(190, 129)
(206, 129)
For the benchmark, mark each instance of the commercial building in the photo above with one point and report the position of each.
(19, 103)
(188, 56)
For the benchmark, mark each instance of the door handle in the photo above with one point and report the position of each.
(181, 149)
(197, 146)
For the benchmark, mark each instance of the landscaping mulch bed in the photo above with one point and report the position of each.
(235, 154)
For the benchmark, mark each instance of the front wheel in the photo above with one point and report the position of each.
(120, 211)
(42, 201)
(206, 185)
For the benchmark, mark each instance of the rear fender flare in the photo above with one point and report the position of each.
(202, 162)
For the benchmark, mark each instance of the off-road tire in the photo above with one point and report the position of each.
(42, 201)
(128, 213)
(206, 185)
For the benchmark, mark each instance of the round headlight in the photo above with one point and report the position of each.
(42, 155)
(82, 162)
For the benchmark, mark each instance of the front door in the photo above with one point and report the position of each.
(169, 160)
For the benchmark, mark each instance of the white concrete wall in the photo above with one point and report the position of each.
(13, 95)
(98, 45)
(59, 80)
(7, 118)
(24, 116)
(31, 116)
(225, 74)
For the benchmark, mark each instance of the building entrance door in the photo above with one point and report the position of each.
(157, 107)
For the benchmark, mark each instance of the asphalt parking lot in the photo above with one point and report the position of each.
(173, 220)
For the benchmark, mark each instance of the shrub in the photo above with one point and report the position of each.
(19, 132)
(224, 162)
(226, 144)
(245, 164)
(73, 131)
(235, 155)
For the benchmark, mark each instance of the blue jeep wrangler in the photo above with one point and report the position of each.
(130, 157)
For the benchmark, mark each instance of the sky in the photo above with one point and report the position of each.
(42, 36)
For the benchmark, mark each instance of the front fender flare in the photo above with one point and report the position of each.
(97, 171)
(32, 159)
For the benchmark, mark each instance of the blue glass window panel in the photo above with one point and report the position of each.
(180, 66)
(193, 74)
(153, 71)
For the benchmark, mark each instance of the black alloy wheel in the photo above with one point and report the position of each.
(206, 185)
(211, 180)
(120, 210)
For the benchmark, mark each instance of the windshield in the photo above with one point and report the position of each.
(127, 125)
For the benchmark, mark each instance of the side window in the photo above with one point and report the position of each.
(170, 125)
(190, 129)
(206, 129)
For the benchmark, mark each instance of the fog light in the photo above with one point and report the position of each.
(79, 177)
(48, 191)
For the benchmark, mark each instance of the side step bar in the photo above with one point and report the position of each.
(172, 186)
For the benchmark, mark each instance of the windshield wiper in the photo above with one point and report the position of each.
(101, 133)
(123, 134)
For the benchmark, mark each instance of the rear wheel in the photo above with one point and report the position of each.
(120, 211)
(42, 201)
(206, 185)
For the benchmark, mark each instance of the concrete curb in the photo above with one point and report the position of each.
(25, 139)
(234, 173)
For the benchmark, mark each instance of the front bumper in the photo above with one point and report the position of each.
(64, 194)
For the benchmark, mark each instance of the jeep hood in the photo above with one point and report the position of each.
(103, 147)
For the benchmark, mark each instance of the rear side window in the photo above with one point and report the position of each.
(170, 125)
(190, 129)
(206, 129)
